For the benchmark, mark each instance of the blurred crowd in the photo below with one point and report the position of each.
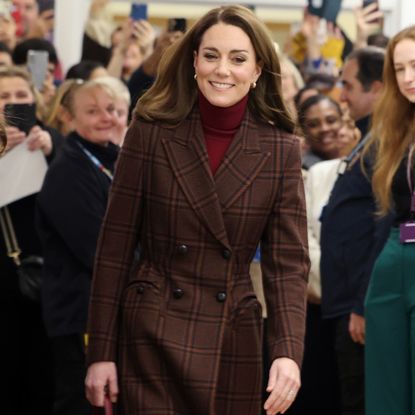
(330, 84)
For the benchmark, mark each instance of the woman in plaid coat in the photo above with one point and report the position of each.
(179, 331)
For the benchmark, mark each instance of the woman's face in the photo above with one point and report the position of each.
(322, 124)
(404, 64)
(94, 115)
(225, 65)
(14, 90)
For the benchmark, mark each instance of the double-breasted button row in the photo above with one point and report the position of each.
(179, 293)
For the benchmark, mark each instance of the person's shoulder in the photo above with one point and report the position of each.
(324, 167)
(69, 160)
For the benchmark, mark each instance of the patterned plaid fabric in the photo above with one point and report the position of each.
(184, 325)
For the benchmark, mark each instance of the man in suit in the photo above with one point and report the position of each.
(351, 237)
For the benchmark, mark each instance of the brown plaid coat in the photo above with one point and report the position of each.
(184, 326)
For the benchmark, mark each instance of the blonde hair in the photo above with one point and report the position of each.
(393, 128)
(174, 93)
(18, 72)
(116, 86)
(61, 102)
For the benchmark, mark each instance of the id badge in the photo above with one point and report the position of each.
(407, 233)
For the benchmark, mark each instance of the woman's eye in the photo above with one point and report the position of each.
(239, 59)
(332, 120)
(209, 56)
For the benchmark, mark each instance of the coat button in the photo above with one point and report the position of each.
(182, 249)
(226, 254)
(221, 296)
(178, 293)
(140, 289)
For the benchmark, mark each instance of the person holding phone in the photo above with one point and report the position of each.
(209, 168)
(132, 44)
(27, 346)
(42, 67)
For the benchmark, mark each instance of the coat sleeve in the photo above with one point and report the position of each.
(118, 239)
(285, 262)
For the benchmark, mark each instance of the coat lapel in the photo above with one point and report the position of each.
(209, 196)
(241, 164)
(189, 161)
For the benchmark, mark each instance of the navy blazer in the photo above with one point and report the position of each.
(351, 239)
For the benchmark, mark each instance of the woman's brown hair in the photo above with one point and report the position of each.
(393, 127)
(173, 95)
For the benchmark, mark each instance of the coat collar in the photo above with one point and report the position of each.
(210, 196)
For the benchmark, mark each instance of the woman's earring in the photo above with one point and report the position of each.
(195, 76)
(253, 85)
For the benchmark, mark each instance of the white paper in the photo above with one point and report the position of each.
(21, 173)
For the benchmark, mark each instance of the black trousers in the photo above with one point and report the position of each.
(320, 391)
(70, 371)
(27, 362)
(350, 366)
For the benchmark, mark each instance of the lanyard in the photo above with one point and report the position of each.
(354, 154)
(95, 161)
(409, 178)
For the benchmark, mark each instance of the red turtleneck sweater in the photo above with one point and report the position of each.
(219, 127)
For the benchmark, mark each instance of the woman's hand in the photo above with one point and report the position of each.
(14, 137)
(101, 378)
(39, 139)
(283, 385)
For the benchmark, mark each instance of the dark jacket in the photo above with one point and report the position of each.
(351, 239)
(70, 208)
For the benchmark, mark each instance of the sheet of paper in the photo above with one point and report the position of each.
(21, 173)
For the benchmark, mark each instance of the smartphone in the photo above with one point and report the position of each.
(138, 11)
(22, 116)
(177, 24)
(326, 9)
(37, 64)
(368, 2)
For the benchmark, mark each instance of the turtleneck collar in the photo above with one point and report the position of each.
(221, 119)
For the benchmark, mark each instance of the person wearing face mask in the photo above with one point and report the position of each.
(27, 347)
(208, 170)
(70, 209)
